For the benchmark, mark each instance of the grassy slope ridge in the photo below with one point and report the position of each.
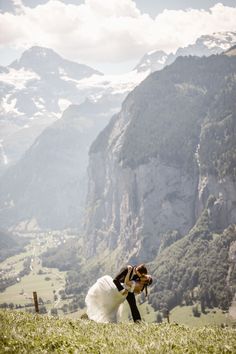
(25, 333)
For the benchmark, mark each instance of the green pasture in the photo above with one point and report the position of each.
(146, 311)
(51, 279)
(25, 333)
(184, 315)
(21, 293)
(181, 315)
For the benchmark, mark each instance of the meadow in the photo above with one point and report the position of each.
(46, 282)
(27, 333)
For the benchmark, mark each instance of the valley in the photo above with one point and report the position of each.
(133, 191)
(27, 274)
(49, 283)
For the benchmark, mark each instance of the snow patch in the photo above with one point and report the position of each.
(212, 44)
(115, 83)
(9, 105)
(3, 155)
(63, 103)
(39, 103)
(62, 72)
(222, 40)
(18, 78)
(152, 52)
(95, 98)
(162, 60)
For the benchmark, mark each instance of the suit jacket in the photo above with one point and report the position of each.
(120, 277)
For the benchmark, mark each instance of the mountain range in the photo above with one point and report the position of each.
(205, 45)
(44, 151)
(159, 148)
(157, 161)
(35, 137)
(162, 183)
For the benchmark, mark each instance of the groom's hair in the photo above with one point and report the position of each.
(141, 268)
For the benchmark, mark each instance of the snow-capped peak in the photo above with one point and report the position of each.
(222, 40)
(204, 45)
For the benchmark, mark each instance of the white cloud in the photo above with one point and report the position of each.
(113, 30)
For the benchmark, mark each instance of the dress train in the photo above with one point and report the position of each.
(103, 301)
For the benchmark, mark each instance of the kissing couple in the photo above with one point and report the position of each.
(104, 298)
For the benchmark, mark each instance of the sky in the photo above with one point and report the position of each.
(110, 35)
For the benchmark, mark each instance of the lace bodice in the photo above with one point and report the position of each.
(131, 287)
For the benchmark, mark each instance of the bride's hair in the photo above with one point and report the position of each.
(148, 281)
(141, 268)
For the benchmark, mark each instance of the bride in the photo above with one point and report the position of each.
(103, 298)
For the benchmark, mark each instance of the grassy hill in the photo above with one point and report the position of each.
(25, 333)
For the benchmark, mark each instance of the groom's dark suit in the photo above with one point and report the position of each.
(120, 278)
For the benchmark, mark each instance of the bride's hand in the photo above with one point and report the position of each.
(129, 268)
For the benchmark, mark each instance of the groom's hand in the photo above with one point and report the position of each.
(124, 292)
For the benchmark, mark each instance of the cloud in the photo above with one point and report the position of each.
(113, 30)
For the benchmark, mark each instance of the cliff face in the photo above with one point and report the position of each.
(133, 208)
(153, 168)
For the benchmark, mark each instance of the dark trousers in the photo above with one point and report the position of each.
(133, 307)
(132, 302)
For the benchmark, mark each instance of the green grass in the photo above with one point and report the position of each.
(181, 315)
(33, 282)
(25, 333)
(146, 311)
(184, 315)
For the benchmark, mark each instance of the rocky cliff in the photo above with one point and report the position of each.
(154, 167)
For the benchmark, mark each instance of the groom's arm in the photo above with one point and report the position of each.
(120, 277)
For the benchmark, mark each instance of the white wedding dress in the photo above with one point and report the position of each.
(103, 301)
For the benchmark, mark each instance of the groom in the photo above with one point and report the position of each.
(136, 273)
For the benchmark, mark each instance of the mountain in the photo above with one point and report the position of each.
(10, 244)
(152, 61)
(198, 268)
(48, 64)
(46, 188)
(205, 45)
(35, 90)
(31, 142)
(165, 165)
(231, 51)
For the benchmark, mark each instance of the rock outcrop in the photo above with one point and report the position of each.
(155, 165)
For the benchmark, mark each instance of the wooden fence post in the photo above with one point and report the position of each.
(36, 304)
